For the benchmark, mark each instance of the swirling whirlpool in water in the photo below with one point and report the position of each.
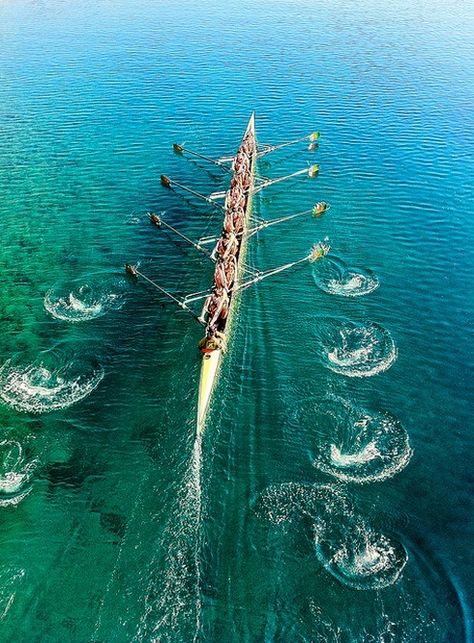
(52, 381)
(359, 557)
(76, 302)
(354, 444)
(15, 473)
(345, 545)
(334, 276)
(353, 349)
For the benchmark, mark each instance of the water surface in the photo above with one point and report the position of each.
(331, 496)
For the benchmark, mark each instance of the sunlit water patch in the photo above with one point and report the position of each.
(54, 380)
(292, 500)
(78, 301)
(15, 473)
(355, 349)
(334, 276)
(354, 444)
(357, 556)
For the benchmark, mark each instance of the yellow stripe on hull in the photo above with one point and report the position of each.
(211, 361)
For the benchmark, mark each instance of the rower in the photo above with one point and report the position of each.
(246, 180)
(218, 306)
(214, 340)
(220, 277)
(238, 216)
(230, 269)
(229, 222)
(227, 246)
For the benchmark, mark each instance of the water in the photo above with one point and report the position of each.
(331, 496)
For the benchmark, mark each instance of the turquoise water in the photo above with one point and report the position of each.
(331, 496)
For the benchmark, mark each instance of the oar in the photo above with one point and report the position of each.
(158, 221)
(312, 138)
(180, 149)
(318, 251)
(133, 270)
(169, 183)
(311, 172)
(316, 211)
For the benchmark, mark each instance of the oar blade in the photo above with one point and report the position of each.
(318, 251)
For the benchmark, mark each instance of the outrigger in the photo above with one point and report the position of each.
(231, 274)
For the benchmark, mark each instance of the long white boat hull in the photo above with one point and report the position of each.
(211, 361)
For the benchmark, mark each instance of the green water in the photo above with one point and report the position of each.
(330, 498)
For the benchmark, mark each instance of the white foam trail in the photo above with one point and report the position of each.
(359, 557)
(15, 473)
(358, 350)
(335, 277)
(9, 582)
(35, 388)
(169, 605)
(76, 302)
(354, 444)
(366, 454)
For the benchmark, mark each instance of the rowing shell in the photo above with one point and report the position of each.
(211, 361)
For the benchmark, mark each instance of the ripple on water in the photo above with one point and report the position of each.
(355, 349)
(15, 473)
(334, 276)
(81, 300)
(345, 545)
(354, 444)
(359, 557)
(10, 581)
(291, 500)
(54, 380)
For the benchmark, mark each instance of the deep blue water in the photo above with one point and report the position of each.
(331, 496)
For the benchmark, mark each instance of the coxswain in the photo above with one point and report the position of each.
(213, 340)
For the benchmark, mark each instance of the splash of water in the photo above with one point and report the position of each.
(345, 545)
(359, 557)
(351, 443)
(75, 302)
(173, 603)
(50, 382)
(355, 350)
(335, 277)
(15, 473)
(290, 501)
(366, 454)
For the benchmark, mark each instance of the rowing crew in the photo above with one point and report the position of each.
(216, 307)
